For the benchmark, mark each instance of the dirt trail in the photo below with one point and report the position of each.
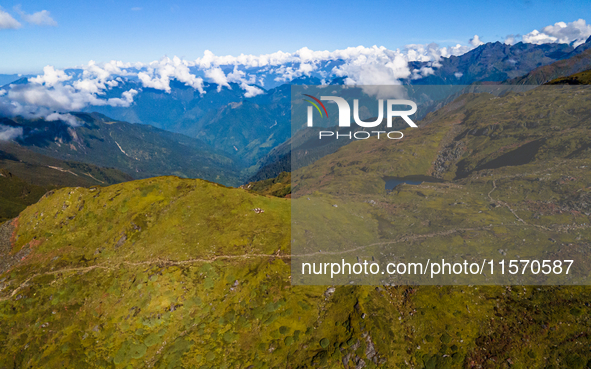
(156, 261)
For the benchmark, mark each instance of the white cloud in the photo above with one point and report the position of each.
(238, 76)
(41, 18)
(8, 133)
(385, 67)
(158, 74)
(424, 71)
(217, 75)
(512, 39)
(94, 86)
(286, 74)
(50, 77)
(125, 101)
(48, 96)
(575, 32)
(7, 21)
(475, 41)
(68, 118)
(136, 8)
(432, 51)
(29, 98)
(458, 74)
(251, 91)
(209, 60)
(538, 38)
(58, 91)
(285, 67)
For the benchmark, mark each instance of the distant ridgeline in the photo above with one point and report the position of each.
(231, 139)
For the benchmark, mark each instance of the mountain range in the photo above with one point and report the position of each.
(247, 128)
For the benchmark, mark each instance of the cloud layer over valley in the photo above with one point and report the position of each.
(115, 83)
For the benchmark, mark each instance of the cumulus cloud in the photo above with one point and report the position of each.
(68, 118)
(565, 33)
(285, 67)
(50, 77)
(537, 37)
(7, 21)
(217, 75)
(251, 91)
(53, 94)
(305, 56)
(238, 76)
(375, 69)
(289, 73)
(41, 18)
(382, 67)
(209, 60)
(245, 81)
(159, 74)
(424, 71)
(30, 98)
(58, 91)
(8, 133)
(475, 41)
(432, 51)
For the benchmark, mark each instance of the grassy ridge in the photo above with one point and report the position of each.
(582, 78)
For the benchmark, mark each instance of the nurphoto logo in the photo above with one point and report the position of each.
(345, 117)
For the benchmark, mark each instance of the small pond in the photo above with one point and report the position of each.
(392, 182)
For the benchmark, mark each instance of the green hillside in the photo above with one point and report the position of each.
(160, 273)
(582, 78)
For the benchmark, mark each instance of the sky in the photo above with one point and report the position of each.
(66, 34)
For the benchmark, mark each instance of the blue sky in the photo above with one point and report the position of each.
(147, 30)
